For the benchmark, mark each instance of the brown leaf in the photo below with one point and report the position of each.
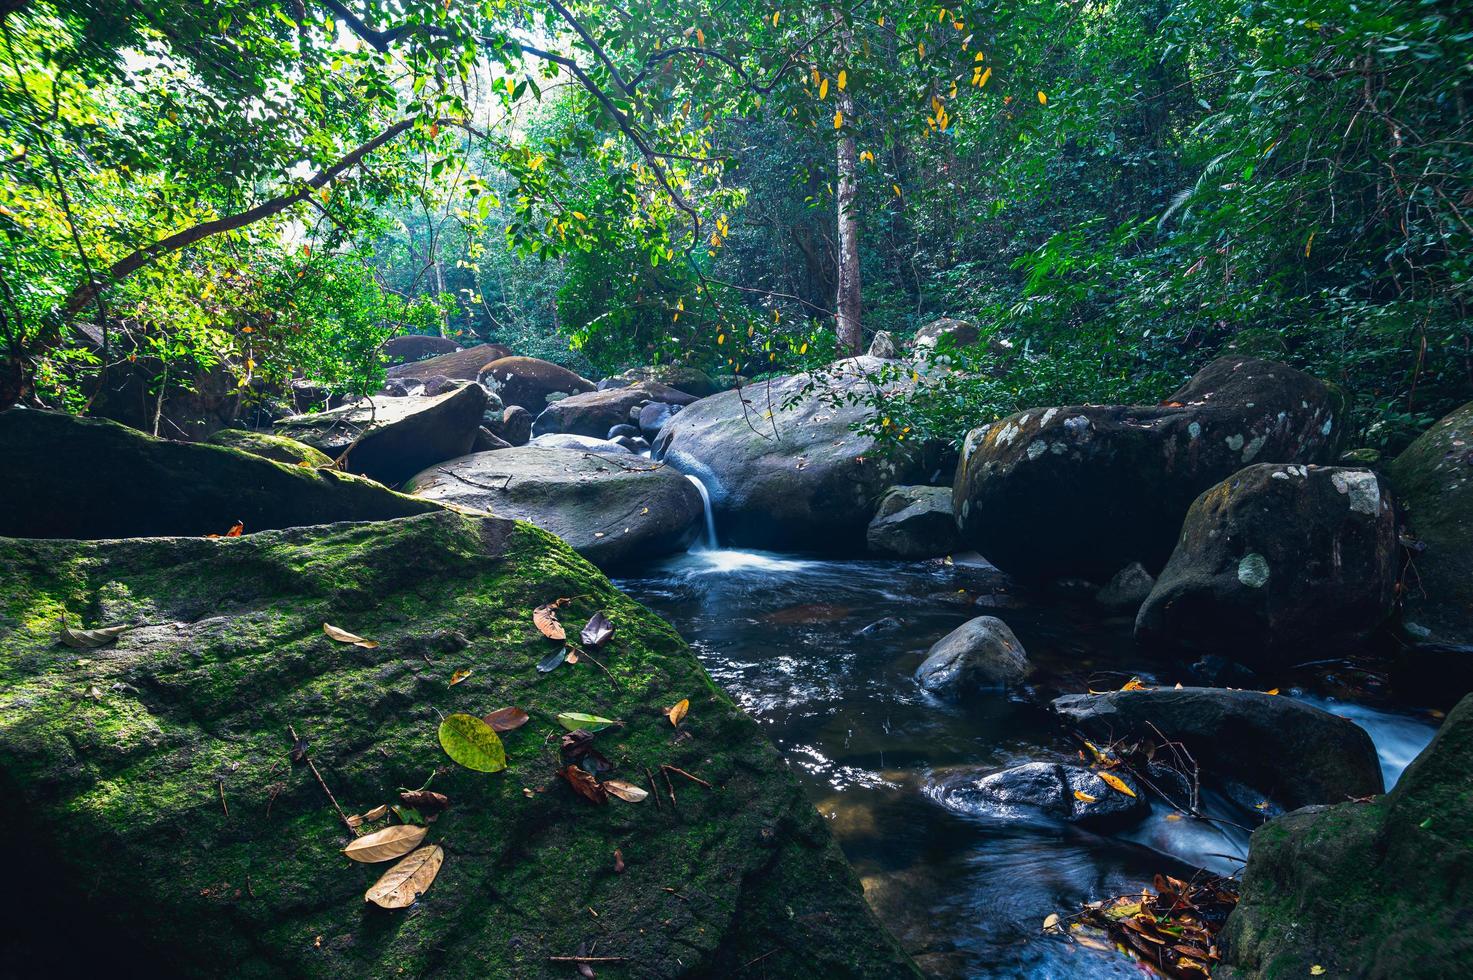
(628, 792)
(386, 844)
(506, 719)
(598, 631)
(402, 884)
(584, 785)
(343, 636)
(460, 675)
(676, 713)
(618, 861)
(377, 813)
(572, 656)
(91, 639)
(236, 530)
(545, 619)
(426, 802)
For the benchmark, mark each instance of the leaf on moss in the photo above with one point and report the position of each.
(402, 884)
(574, 720)
(386, 844)
(553, 660)
(1116, 783)
(584, 785)
(471, 742)
(677, 713)
(545, 619)
(598, 631)
(428, 803)
(460, 675)
(343, 636)
(377, 813)
(91, 639)
(506, 719)
(628, 792)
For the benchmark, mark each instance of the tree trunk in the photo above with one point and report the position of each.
(846, 304)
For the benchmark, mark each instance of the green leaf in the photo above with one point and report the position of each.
(574, 720)
(472, 743)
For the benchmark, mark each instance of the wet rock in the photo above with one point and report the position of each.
(1291, 752)
(416, 347)
(624, 429)
(887, 625)
(531, 383)
(913, 522)
(613, 508)
(1378, 889)
(516, 425)
(394, 438)
(1048, 789)
(1086, 490)
(269, 446)
(1275, 560)
(956, 333)
(1433, 479)
(565, 440)
(594, 413)
(687, 379)
(651, 418)
(1127, 589)
(884, 345)
(462, 365)
(633, 444)
(980, 654)
(68, 477)
(800, 480)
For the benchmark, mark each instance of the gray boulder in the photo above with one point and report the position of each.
(651, 418)
(390, 439)
(623, 429)
(1127, 589)
(612, 508)
(516, 425)
(416, 347)
(1278, 560)
(913, 522)
(531, 383)
(1047, 789)
(565, 440)
(488, 441)
(800, 478)
(958, 333)
(1082, 491)
(1291, 752)
(883, 345)
(462, 365)
(594, 413)
(980, 654)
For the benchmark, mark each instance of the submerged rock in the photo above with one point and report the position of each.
(68, 477)
(463, 365)
(1278, 560)
(613, 508)
(1292, 752)
(268, 446)
(801, 479)
(913, 522)
(530, 383)
(153, 796)
(1127, 589)
(1376, 889)
(1082, 491)
(980, 654)
(593, 413)
(390, 439)
(1048, 789)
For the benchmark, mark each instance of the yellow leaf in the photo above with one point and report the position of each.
(985, 76)
(838, 120)
(843, 80)
(823, 89)
(775, 14)
(676, 713)
(720, 339)
(1084, 797)
(700, 37)
(402, 884)
(776, 316)
(803, 349)
(459, 676)
(1316, 971)
(1115, 783)
(626, 791)
(896, 188)
(1272, 690)
(386, 844)
(1308, 244)
(343, 636)
(1042, 99)
(1134, 684)
(1051, 924)
(921, 50)
(580, 215)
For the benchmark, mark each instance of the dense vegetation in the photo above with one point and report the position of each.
(1117, 191)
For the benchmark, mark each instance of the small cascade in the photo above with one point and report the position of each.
(709, 544)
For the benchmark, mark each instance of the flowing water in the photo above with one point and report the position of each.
(821, 653)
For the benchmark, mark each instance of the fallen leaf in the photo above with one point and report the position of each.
(552, 661)
(460, 675)
(409, 815)
(343, 636)
(386, 844)
(1272, 690)
(91, 639)
(574, 720)
(402, 884)
(598, 630)
(428, 803)
(1116, 783)
(1051, 924)
(545, 619)
(572, 656)
(236, 530)
(1134, 684)
(506, 719)
(676, 713)
(628, 792)
(618, 861)
(1084, 797)
(472, 743)
(584, 784)
(1316, 971)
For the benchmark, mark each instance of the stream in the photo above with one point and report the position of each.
(820, 652)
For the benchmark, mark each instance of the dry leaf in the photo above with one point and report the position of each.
(427, 803)
(598, 630)
(236, 530)
(545, 619)
(677, 713)
(506, 719)
(584, 784)
(402, 884)
(618, 861)
(628, 792)
(1134, 684)
(1116, 783)
(91, 639)
(1051, 924)
(343, 636)
(386, 844)
(460, 675)
(1084, 797)
(572, 656)
(377, 813)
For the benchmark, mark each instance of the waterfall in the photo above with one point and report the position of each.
(710, 543)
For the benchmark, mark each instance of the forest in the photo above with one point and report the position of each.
(870, 488)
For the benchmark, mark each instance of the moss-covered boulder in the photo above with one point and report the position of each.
(152, 794)
(269, 446)
(68, 477)
(1433, 479)
(1367, 889)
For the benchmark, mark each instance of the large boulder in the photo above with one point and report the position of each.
(1433, 479)
(913, 522)
(687, 379)
(791, 476)
(68, 477)
(516, 425)
(391, 439)
(594, 413)
(948, 331)
(153, 795)
(1060, 791)
(463, 365)
(413, 347)
(563, 440)
(1082, 491)
(1291, 752)
(269, 446)
(1367, 889)
(612, 508)
(652, 418)
(980, 654)
(1278, 561)
(531, 383)
(1126, 590)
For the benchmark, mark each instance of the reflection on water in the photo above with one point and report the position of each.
(821, 654)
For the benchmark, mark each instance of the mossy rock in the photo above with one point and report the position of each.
(118, 766)
(691, 380)
(267, 446)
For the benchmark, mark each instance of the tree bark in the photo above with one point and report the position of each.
(846, 304)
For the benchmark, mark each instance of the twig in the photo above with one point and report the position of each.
(654, 790)
(757, 959)
(670, 789)
(588, 959)
(677, 894)
(584, 653)
(677, 769)
(321, 782)
(220, 785)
